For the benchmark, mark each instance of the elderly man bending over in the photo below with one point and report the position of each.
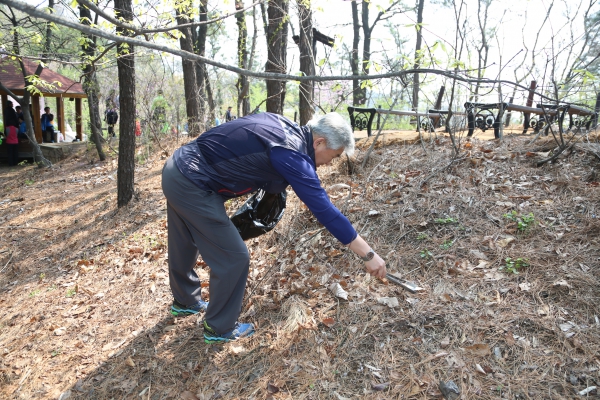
(260, 151)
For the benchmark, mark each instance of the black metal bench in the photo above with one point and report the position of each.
(481, 116)
(362, 118)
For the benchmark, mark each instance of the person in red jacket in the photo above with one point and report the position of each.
(10, 130)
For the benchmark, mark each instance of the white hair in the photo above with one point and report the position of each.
(336, 131)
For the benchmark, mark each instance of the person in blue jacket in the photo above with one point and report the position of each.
(261, 151)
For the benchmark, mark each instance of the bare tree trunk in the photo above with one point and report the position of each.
(190, 84)
(48, 41)
(126, 69)
(199, 40)
(90, 84)
(276, 55)
(243, 101)
(366, 56)
(356, 97)
(417, 64)
(284, 39)
(307, 62)
(484, 48)
(458, 48)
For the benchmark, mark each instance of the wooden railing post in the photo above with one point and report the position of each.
(508, 114)
(78, 124)
(596, 110)
(529, 103)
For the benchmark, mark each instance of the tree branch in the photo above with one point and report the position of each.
(139, 31)
(34, 12)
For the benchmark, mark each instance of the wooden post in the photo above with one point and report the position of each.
(508, 114)
(78, 125)
(37, 120)
(438, 106)
(440, 96)
(597, 110)
(529, 103)
(60, 114)
(4, 100)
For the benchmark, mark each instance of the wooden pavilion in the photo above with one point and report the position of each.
(57, 86)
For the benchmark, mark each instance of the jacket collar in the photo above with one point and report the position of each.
(310, 149)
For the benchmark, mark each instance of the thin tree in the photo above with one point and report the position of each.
(483, 49)
(242, 85)
(307, 62)
(277, 12)
(417, 64)
(126, 70)
(204, 86)
(360, 88)
(48, 41)
(90, 79)
(192, 105)
(354, 60)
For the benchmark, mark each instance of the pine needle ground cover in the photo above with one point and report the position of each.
(508, 255)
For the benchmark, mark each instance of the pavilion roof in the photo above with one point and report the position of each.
(59, 85)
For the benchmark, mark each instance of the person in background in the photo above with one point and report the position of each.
(19, 113)
(10, 115)
(158, 112)
(11, 124)
(228, 116)
(111, 117)
(51, 134)
(46, 133)
(217, 120)
(138, 128)
(260, 151)
(111, 114)
(22, 133)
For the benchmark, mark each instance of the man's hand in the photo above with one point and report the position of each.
(376, 267)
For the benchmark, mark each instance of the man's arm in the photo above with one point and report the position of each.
(299, 171)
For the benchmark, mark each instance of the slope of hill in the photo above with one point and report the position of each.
(508, 255)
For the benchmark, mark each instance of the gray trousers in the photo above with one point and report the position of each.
(198, 224)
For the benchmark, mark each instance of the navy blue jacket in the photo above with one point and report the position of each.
(261, 151)
(233, 159)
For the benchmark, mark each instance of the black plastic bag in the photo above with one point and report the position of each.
(259, 214)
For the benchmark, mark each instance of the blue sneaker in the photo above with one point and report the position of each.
(239, 331)
(179, 309)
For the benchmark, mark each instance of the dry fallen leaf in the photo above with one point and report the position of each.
(445, 342)
(338, 291)
(328, 322)
(129, 361)
(60, 331)
(506, 241)
(237, 349)
(271, 388)
(391, 302)
(509, 338)
(187, 395)
(479, 369)
(379, 386)
(479, 349)
(562, 283)
(525, 286)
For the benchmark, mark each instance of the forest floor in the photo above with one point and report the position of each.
(508, 255)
